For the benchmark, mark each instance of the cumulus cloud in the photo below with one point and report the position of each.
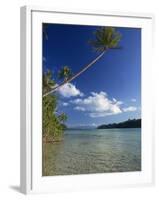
(69, 90)
(130, 109)
(98, 105)
(65, 104)
(114, 100)
(133, 100)
(79, 108)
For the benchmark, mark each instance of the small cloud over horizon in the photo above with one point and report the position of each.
(130, 109)
(133, 100)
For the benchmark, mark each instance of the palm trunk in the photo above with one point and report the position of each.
(76, 75)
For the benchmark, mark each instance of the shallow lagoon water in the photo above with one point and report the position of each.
(95, 151)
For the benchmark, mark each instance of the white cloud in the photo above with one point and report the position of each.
(133, 100)
(69, 90)
(130, 109)
(76, 101)
(98, 105)
(65, 104)
(93, 124)
(79, 108)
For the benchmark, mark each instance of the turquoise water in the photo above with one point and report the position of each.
(95, 151)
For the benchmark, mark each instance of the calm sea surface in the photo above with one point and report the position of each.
(95, 151)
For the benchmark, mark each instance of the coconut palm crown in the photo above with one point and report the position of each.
(105, 38)
(65, 73)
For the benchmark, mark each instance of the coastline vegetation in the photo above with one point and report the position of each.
(53, 122)
(130, 123)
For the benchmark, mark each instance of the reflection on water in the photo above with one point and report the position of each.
(95, 151)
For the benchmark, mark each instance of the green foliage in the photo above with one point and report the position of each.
(65, 73)
(48, 82)
(53, 124)
(130, 123)
(62, 117)
(105, 38)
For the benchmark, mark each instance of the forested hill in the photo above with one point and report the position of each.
(131, 123)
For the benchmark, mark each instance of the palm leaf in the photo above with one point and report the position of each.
(105, 38)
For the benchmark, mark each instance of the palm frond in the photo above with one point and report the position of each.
(65, 73)
(105, 38)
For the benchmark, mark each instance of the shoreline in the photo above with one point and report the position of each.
(51, 141)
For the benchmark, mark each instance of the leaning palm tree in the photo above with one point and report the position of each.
(105, 38)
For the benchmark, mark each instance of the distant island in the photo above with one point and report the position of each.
(130, 123)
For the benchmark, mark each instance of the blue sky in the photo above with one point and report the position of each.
(110, 91)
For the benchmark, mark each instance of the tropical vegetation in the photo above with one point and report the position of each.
(53, 122)
(130, 123)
